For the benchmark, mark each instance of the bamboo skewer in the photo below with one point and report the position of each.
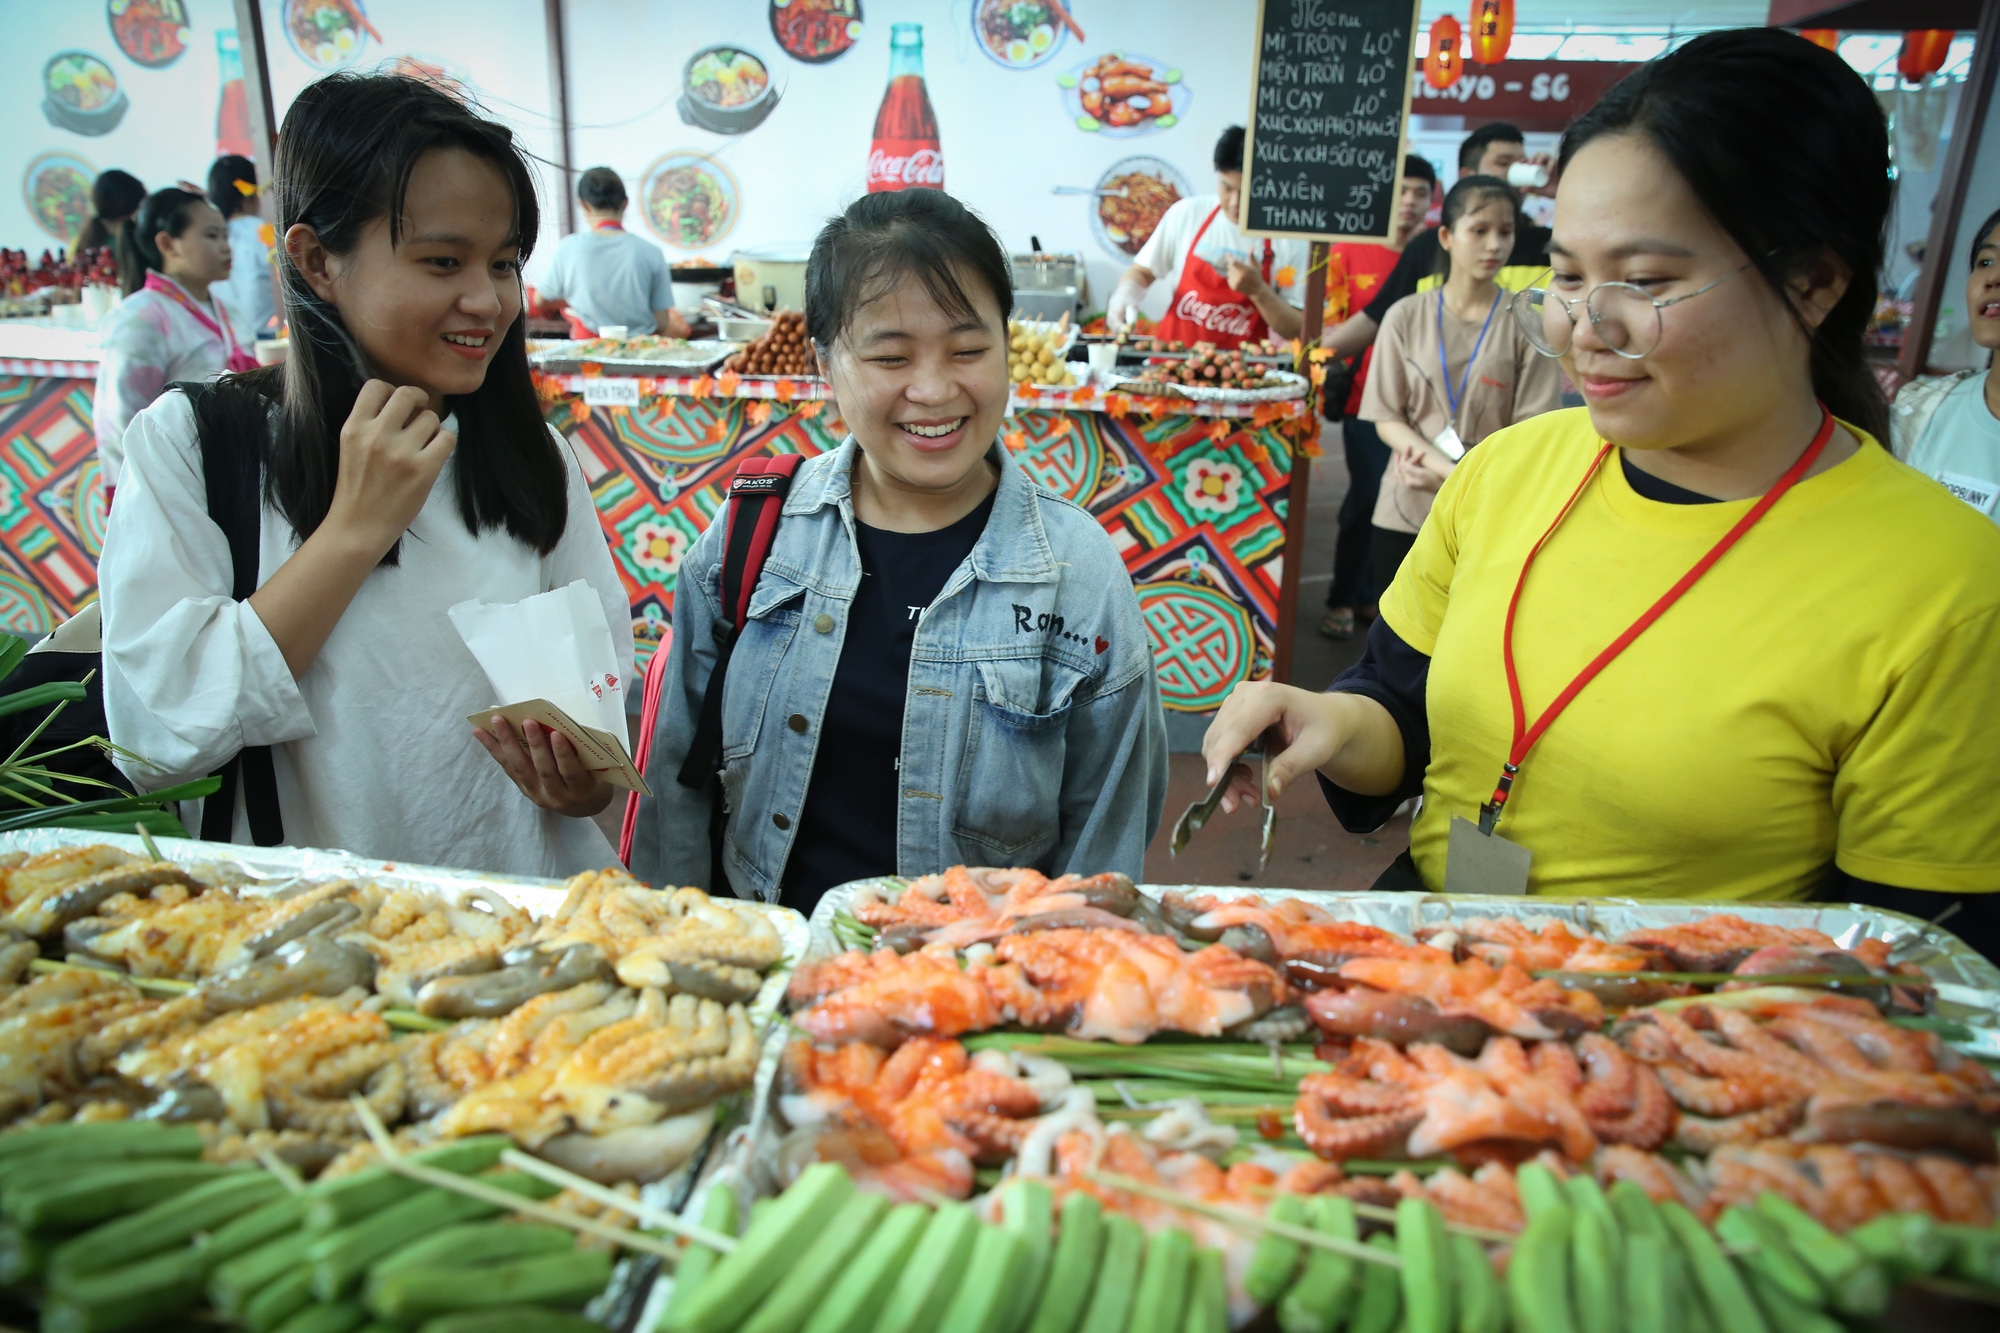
(596, 1193)
(515, 1203)
(1247, 1222)
(407, 1020)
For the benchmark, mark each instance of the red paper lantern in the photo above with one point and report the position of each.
(1826, 37)
(1442, 63)
(1923, 53)
(1492, 30)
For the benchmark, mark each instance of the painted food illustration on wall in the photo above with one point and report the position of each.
(152, 32)
(1020, 34)
(449, 80)
(81, 93)
(1122, 94)
(689, 200)
(1151, 187)
(726, 89)
(816, 31)
(328, 34)
(56, 188)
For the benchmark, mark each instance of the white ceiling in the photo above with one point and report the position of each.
(1650, 15)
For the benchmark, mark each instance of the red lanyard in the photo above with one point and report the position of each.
(1525, 736)
(607, 226)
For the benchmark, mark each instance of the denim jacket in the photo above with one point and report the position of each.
(1032, 730)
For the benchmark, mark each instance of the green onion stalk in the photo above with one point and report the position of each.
(35, 795)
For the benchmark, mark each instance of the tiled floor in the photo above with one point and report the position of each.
(1309, 850)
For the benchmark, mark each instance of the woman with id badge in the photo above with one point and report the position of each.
(1450, 367)
(1704, 638)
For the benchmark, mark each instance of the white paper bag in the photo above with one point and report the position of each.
(555, 648)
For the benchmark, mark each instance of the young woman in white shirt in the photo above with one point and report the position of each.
(1948, 426)
(170, 326)
(405, 468)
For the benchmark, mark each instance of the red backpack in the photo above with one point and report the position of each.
(756, 498)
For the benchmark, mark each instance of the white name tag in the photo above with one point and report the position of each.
(1978, 493)
(1447, 440)
(610, 391)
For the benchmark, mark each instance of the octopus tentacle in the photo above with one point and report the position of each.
(1850, 1198)
(1724, 1096)
(1649, 1123)
(1356, 1136)
(1704, 1135)
(1610, 1077)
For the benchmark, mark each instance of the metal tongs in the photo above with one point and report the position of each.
(1196, 815)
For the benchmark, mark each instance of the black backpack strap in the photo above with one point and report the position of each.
(232, 467)
(756, 499)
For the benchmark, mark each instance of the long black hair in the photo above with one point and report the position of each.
(1785, 146)
(223, 173)
(346, 152)
(887, 236)
(170, 211)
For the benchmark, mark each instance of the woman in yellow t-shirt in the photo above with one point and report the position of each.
(1818, 711)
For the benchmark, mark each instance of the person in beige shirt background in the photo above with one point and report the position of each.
(1451, 367)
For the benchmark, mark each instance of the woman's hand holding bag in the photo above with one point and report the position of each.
(546, 767)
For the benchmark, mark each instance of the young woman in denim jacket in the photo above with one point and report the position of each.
(942, 663)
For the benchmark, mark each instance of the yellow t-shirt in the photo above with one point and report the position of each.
(1828, 693)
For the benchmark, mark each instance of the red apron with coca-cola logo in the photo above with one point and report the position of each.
(1206, 309)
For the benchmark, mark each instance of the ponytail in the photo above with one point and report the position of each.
(167, 211)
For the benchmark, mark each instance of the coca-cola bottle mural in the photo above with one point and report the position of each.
(905, 151)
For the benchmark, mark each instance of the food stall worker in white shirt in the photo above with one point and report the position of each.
(1227, 289)
(1948, 426)
(406, 469)
(607, 275)
(170, 326)
(232, 189)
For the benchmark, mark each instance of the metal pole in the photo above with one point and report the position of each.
(559, 95)
(263, 118)
(1295, 497)
(1975, 101)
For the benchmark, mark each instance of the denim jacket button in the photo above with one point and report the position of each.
(823, 623)
(781, 821)
(797, 722)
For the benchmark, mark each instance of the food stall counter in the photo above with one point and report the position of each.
(1194, 494)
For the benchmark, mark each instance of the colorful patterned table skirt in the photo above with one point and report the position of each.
(51, 501)
(1196, 503)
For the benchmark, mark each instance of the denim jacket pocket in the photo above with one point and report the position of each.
(767, 632)
(1010, 778)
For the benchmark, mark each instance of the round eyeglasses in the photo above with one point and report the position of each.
(1625, 316)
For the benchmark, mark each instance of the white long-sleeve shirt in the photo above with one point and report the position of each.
(148, 342)
(371, 747)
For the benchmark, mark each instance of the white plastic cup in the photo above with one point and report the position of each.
(613, 330)
(1527, 175)
(1103, 357)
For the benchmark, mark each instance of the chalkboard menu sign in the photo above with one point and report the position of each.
(1329, 99)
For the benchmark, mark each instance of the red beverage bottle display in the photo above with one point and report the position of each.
(905, 151)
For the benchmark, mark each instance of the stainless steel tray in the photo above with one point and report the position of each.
(271, 868)
(739, 1121)
(1968, 985)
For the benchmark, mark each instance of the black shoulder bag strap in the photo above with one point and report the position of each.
(756, 498)
(232, 468)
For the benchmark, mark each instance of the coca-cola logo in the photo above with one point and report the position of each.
(925, 166)
(1217, 318)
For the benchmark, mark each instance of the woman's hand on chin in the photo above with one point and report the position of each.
(546, 767)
